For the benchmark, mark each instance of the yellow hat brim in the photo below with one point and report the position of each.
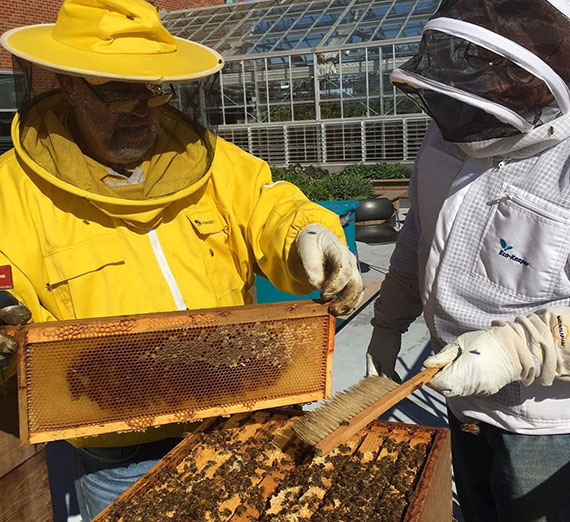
(36, 44)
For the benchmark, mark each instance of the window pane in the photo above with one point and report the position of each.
(7, 92)
(329, 77)
(279, 89)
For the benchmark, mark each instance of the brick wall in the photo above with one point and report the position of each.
(173, 5)
(15, 13)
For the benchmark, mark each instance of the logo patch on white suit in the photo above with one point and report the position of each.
(6, 280)
(560, 332)
(504, 252)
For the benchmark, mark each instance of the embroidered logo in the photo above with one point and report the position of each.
(560, 331)
(505, 247)
(6, 281)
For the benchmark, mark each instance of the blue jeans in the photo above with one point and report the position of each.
(102, 474)
(506, 477)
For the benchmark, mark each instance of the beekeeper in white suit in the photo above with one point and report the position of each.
(484, 251)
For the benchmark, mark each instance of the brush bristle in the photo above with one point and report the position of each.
(339, 409)
(283, 438)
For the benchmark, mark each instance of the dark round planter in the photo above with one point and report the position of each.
(382, 233)
(376, 209)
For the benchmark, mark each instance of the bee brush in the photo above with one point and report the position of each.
(340, 417)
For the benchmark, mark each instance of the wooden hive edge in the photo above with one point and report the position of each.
(432, 500)
(160, 420)
(54, 330)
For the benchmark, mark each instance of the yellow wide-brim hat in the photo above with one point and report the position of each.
(112, 40)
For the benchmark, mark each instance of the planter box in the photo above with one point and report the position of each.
(267, 293)
(393, 189)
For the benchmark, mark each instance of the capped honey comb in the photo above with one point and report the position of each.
(87, 377)
(233, 470)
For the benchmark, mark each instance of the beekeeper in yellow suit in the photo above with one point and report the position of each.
(115, 202)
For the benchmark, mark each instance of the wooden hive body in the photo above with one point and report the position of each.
(87, 377)
(232, 471)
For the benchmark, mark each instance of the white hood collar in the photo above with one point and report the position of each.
(522, 145)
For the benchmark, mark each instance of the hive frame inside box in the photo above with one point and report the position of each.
(284, 327)
(431, 500)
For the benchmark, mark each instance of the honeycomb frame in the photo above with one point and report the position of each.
(81, 378)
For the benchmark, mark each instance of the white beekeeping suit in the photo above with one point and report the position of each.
(486, 238)
(484, 251)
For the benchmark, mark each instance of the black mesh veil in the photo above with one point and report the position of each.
(491, 68)
(179, 152)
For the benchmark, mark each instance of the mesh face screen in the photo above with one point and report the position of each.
(129, 373)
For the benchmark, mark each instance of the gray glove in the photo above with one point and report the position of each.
(11, 312)
(382, 353)
(396, 308)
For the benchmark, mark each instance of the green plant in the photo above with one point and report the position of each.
(343, 185)
(353, 182)
(313, 188)
(383, 170)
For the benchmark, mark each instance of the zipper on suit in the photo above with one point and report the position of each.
(528, 205)
(165, 269)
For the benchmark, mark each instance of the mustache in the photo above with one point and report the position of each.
(131, 120)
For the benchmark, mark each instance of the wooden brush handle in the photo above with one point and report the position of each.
(373, 411)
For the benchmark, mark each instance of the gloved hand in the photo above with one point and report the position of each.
(395, 309)
(382, 353)
(11, 312)
(330, 268)
(473, 364)
(528, 350)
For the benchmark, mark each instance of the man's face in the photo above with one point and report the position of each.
(112, 122)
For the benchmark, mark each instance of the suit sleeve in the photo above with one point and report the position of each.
(399, 303)
(280, 212)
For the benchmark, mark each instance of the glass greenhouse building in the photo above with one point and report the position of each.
(307, 81)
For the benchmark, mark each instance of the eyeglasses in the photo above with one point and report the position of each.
(123, 106)
(480, 58)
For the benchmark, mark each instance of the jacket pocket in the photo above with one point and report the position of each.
(85, 278)
(218, 255)
(524, 246)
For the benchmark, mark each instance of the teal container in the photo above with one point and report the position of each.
(267, 293)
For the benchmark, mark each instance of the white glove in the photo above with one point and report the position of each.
(382, 353)
(330, 267)
(473, 364)
(533, 349)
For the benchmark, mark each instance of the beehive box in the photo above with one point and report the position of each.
(86, 377)
(232, 471)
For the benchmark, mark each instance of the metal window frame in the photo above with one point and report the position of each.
(261, 10)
